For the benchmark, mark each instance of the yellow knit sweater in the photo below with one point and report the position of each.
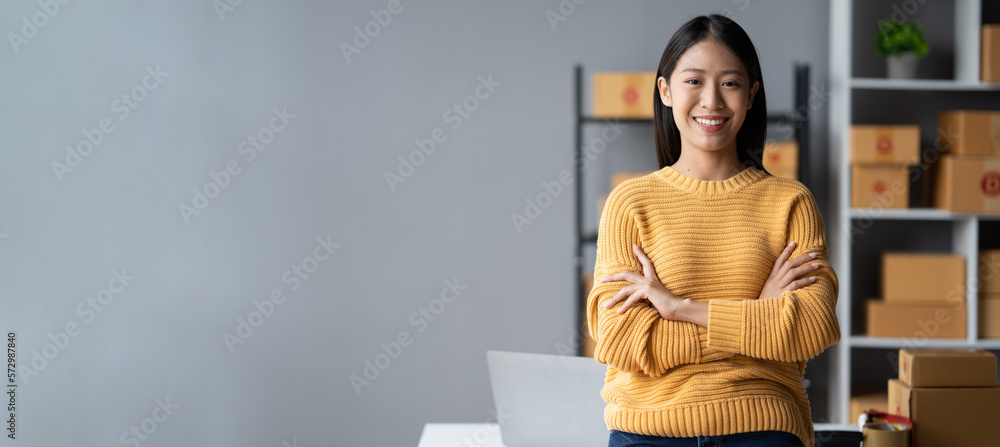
(713, 241)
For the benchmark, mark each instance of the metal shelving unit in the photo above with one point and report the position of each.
(964, 229)
(799, 122)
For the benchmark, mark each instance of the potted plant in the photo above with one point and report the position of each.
(903, 44)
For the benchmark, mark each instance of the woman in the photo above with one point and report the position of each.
(714, 284)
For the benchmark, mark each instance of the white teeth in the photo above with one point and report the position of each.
(711, 122)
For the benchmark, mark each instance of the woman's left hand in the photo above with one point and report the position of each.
(646, 286)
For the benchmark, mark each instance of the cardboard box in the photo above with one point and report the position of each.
(619, 177)
(862, 402)
(989, 271)
(935, 277)
(871, 144)
(968, 184)
(781, 154)
(623, 94)
(947, 367)
(880, 186)
(990, 58)
(970, 132)
(792, 173)
(947, 416)
(989, 316)
(915, 320)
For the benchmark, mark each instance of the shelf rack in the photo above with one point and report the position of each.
(964, 227)
(799, 121)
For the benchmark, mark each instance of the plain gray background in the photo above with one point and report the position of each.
(162, 336)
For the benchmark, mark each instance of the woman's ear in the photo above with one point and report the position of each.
(664, 88)
(753, 92)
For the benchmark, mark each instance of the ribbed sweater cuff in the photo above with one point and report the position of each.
(725, 324)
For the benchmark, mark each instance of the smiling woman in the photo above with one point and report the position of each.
(714, 286)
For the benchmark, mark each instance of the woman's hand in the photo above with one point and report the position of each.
(646, 286)
(783, 275)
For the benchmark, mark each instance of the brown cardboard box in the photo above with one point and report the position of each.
(990, 59)
(970, 132)
(792, 173)
(989, 316)
(947, 367)
(880, 186)
(968, 184)
(862, 402)
(915, 320)
(947, 416)
(935, 277)
(623, 94)
(781, 154)
(619, 177)
(989, 271)
(885, 144)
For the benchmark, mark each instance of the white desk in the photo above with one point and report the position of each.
(488, 435)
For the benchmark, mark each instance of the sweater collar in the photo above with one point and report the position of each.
(747, 176)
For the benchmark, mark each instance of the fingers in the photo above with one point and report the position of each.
(622, 294)
(780, 262)
(647, 265)
(797, 272)
(621, 276)
(798, 284)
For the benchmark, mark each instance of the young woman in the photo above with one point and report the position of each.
(714, 284)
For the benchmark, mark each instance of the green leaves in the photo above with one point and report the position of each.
(896, 37)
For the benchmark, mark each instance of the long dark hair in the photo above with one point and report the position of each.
(750, 138)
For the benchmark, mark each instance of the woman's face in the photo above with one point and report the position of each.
(709, 93)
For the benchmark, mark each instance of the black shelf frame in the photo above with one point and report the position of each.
(798, 118)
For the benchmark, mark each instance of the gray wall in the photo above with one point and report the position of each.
(90, 371)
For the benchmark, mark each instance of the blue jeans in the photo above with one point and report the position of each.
(749, 439)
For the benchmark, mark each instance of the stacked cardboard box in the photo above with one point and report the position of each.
(989, 294)
(990, 59)
(923, 296)
(950, 394)
(968, 175)
(880, 161)
(862, 402)
(781, 159)
(623, 94)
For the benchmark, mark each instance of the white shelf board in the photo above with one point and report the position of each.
(917, 214)
(922, 84)
(863, 341)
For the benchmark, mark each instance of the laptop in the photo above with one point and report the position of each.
(548, 400)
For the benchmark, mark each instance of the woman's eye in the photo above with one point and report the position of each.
(691, 80)
(732, 83)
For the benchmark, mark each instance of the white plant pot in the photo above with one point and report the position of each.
(902, 65)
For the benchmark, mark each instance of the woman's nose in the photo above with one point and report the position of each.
(711, 99)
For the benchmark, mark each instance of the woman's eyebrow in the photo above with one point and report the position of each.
(731, 71)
